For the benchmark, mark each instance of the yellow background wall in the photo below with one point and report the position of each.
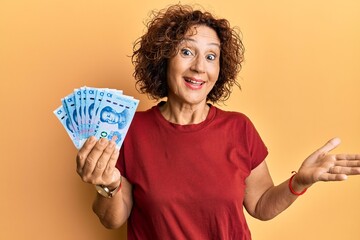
(300, 86)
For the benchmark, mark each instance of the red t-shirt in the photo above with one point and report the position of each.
(189, 180)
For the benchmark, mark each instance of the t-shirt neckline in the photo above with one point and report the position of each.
(186, 127)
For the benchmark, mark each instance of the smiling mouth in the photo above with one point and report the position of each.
(194, 82)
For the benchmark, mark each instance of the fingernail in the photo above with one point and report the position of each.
(102, 141)
(114, 138)
(91, 139)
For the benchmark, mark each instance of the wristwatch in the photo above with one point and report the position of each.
(106, 191)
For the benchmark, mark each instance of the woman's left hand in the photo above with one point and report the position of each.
(321, 166)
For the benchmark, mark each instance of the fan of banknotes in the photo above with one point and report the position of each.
(100, 112)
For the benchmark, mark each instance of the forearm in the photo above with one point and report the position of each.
(276, 199)
(112, 212)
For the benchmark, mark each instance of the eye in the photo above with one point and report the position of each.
(186, 52)
(211, 57)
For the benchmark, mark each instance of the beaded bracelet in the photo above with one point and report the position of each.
(291, 188)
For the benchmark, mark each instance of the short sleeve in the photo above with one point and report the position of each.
(256, 147)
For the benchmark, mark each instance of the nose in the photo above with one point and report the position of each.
(198, 64)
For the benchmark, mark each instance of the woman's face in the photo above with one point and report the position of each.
(194, 70)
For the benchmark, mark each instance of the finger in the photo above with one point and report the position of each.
(327, 177)
(108, 174)
(348, 156)
(103, 160)
(84, 152)
(347, 163)
(345, 170)
(92, 159)
(330, 145)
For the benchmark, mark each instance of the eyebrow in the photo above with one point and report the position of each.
(193, 40)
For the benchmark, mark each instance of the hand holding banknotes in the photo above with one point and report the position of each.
(96, 163)
(89, 114)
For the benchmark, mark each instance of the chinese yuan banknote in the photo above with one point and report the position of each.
(99, 112)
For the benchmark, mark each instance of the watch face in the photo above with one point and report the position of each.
(103, 191)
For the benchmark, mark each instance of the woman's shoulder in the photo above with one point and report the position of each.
(228, 114)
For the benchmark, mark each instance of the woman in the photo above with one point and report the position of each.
(188, 167)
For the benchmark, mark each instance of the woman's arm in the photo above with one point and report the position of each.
(96, 164)
(114, 212)
(264, 201)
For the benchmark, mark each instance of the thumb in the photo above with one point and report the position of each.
(330, 145)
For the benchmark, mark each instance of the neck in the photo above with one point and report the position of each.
(184, 114)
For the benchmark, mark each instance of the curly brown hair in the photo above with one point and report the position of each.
(166, 30)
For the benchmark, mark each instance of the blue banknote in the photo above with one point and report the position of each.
(90, 103)
(68, 103)
(100, 93)
(63, 117)
(77, 97)
(99, 96)
(83, 110)
(114, 116)
(101, 112)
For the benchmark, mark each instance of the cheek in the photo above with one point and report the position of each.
(175, 66)
(214, 73)
(174, 72)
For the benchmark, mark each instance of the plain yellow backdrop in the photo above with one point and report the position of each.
(300, 86)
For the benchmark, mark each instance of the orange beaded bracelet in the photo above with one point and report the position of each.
(291, 188)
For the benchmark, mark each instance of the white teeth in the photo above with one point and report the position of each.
(194, 82)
